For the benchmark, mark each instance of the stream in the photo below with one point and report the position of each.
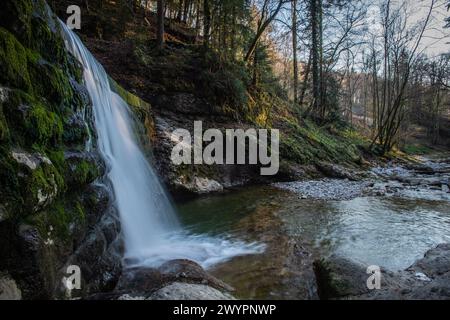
(391, 229)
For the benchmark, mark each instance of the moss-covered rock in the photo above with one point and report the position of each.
(45, 126)
(4, 130)
(141, 109)
(81, 169)
(14, 60)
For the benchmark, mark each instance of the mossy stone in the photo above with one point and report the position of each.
(44, 127)
(13, 62)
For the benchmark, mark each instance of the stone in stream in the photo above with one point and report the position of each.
(428, 278)
(175, 280)
(188, 291)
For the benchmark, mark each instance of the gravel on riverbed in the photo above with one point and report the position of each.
(429, 180)
(327, 189)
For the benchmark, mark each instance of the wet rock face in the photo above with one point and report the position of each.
(20, 255)
(52, 212)
(39, 177)
(190, 179)
(428, 278)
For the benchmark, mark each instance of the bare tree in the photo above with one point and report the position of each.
(160, 25)
(400, 52)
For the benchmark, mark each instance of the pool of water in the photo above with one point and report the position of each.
(385, 231)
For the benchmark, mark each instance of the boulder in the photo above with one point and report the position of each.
(8, 288)
(428, 278)
(32, 161)
(183, 269)
(168, 281)
(435, 263)
(188, 291)
(199, 185)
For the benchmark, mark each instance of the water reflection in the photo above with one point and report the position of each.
(385, 231)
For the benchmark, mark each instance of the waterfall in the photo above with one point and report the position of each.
(152, 233)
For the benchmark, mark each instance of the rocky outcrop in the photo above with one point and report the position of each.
(174, 280)
(195, 179)
(53, 210)
(428, 278)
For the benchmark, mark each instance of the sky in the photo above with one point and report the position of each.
(436, 38)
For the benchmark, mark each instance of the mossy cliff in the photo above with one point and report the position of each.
(48, 204)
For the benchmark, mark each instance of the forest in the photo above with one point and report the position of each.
(349, 62)
(314, 138)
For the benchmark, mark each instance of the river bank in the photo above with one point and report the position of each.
(377, 220)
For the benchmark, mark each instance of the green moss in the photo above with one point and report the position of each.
(15, 110)
(9, 182)
(4, 130)
(54, 223)
(139, 106)
(75, 134)
(416, 149)
(307, 144)
(13, 62)
(80, 212)
(45, 127)
(57, 158)
(53, 84)
(45, 182)
(85, 172)
(50, 44)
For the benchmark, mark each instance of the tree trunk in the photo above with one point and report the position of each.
(315, 55)
(160, 25)
(262, 26)
(294, 49)
(305, 81)
(207, 23)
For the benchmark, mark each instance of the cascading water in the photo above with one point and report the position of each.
(152, 233)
